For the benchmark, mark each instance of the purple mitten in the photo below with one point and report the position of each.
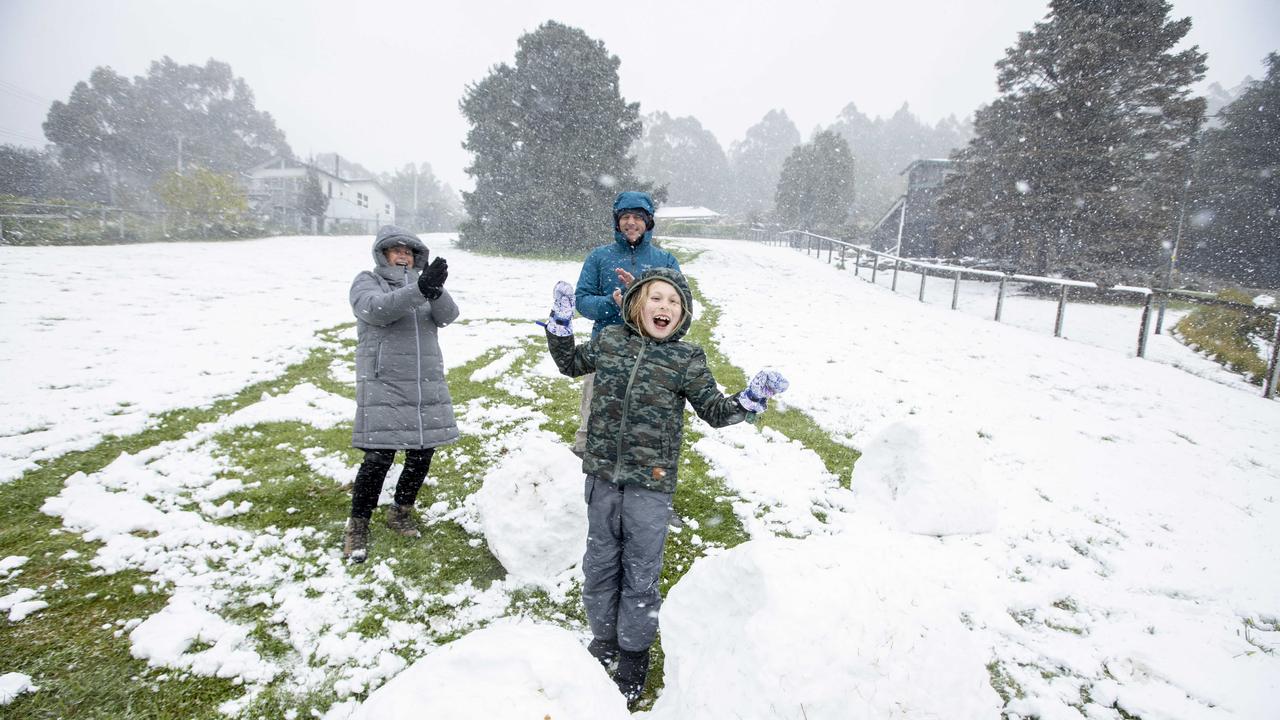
(562, 307)
(763, 386)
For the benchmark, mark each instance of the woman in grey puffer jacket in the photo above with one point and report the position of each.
(402, 401)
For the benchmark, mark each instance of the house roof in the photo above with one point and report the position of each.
(945, 162)
(289, 163)
(669, 212)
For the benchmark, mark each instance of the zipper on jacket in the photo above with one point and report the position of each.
(377, 363)
(626, 405)
(417, 344)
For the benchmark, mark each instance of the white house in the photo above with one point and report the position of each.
(275, 189)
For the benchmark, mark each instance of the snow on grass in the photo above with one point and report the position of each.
(1038, 526)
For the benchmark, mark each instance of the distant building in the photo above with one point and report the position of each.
(924, 185)
(678, 213)
(275, 189)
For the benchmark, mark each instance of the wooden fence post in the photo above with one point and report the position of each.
(955, 292)
(1273, 375)
(1062, 311)
(924, 275)
(1142, 327)
(1000, 297)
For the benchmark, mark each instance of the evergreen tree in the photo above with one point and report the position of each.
(1080, 161)
(681, 155)
(549, 138)
(122, 136)
(312, 199)
(1234, 217)
(756, 163)
(815, 187)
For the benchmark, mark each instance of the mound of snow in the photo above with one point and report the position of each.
(859, 626)
(505, 670)
(14, 684)
(926, 476)
(532, 511)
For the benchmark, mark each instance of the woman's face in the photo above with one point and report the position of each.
(399, 255)
(662, 310)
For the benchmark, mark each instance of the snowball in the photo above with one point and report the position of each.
(507, 669)
(926, 475)
(532, 510)
(821, 628)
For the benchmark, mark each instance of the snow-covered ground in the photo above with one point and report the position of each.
(1080, 529)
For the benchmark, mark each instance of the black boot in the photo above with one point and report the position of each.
(631, 672)
(606, 651)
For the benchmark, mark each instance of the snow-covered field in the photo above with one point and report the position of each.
(1054, 522)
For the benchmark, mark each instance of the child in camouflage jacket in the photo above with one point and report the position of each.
(644, 375)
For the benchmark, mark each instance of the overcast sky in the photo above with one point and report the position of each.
(379, 82)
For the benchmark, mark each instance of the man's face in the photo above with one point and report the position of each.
(632, 226)
(399, 255)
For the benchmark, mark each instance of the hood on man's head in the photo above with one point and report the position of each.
(633, 201)
(390, 236)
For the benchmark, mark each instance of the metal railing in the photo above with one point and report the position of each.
(814, 244)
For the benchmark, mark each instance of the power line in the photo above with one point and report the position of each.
(22, 93)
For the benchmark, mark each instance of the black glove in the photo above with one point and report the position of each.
(431, 281)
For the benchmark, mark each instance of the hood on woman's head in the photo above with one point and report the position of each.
(390, 236)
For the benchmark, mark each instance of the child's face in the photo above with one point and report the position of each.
(661, 311)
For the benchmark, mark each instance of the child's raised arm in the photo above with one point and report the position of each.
(718, 409)
(571, 360)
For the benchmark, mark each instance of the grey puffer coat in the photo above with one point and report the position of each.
(402, 401)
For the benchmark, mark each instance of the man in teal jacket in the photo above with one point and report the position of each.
(607, 270)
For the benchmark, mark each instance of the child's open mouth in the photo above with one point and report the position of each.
(661, 321)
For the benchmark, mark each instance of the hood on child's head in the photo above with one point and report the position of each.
(676, 279)
(389, 236)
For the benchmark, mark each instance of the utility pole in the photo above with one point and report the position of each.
(902, 220)
(1177, 237)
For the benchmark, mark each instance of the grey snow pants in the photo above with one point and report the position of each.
(626, 531)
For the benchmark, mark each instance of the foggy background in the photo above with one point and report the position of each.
(380, 82)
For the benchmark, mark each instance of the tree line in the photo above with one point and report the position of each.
(1094, 156)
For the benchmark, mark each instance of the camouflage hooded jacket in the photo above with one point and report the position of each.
(641, 385)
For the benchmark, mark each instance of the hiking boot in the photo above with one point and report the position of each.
(355, 541)
(400, 519)
(633, 667)
(605, 651)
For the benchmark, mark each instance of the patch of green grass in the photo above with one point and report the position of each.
(84, 670)
(1228, 335)
(1005, 686)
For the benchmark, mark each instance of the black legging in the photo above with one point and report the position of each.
(368, 485)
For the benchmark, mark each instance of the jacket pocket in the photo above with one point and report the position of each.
(377, 361)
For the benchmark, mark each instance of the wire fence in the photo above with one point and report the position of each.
(868, 264)
(35, 223)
